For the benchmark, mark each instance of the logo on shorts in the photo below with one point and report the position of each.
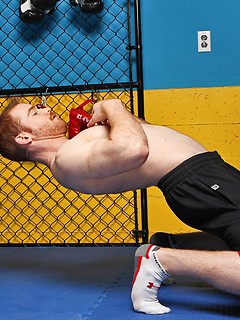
(215, 186)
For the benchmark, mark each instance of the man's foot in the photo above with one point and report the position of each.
(148, 277)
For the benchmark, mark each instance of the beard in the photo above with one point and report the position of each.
(57, 128)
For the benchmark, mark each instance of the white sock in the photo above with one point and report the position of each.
(148, 277)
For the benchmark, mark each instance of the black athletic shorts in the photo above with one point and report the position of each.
(204, 192)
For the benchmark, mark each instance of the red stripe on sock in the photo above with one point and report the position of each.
(149, 248)
(137, 270)
(238, 253)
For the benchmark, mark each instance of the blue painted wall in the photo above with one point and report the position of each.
(169, 31)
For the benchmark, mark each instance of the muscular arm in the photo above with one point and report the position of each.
(120, 146)
(126, 147)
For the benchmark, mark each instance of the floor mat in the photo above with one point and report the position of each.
(94, 284)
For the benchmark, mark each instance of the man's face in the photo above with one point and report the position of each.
(43, 123)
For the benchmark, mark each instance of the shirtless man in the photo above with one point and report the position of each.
(125, 153)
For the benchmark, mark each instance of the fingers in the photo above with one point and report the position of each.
(91, 123)
(98, 117)
(101, 109)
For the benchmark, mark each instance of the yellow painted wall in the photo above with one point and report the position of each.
(34, 208)
(211, 116)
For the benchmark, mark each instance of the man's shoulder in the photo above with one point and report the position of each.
(66, 167)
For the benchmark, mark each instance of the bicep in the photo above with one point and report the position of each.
(99, 159)
(105, 158)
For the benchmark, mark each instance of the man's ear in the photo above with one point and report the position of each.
(23, 138)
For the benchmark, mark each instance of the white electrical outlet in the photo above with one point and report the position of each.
(204, 41)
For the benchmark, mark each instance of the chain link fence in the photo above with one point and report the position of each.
(69, 57)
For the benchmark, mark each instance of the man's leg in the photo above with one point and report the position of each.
(220, 269)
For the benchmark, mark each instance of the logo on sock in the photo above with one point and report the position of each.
(152, 286)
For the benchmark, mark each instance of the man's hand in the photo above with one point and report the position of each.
(102, 109)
